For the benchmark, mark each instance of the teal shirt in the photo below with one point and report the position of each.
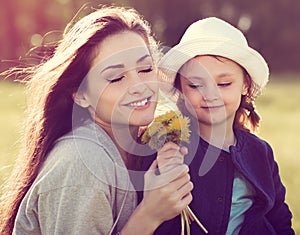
(242, 194)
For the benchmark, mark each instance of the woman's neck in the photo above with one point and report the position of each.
(123, 136)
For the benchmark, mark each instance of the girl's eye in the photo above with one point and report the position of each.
(116, 79)
(147, 70)
(224, 84)
(195, 86)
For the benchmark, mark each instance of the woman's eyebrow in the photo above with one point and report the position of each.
(116, 66)
(119, 66)
(143, 58)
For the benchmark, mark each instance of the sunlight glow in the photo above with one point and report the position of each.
(244, 23)
(36, 40)
(63, 2)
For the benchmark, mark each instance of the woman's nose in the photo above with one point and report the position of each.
(136, 84)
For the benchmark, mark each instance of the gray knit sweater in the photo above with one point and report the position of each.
(83, 188)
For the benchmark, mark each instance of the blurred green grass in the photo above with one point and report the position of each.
(12, 105)
(280, 126)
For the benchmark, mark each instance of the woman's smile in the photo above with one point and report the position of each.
(140, 104)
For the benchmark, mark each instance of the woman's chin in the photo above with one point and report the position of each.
(142, 120)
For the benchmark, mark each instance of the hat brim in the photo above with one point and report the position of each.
(245, 56)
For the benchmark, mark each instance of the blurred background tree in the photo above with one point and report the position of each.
(272, 26)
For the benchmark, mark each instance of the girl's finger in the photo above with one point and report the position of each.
(157, 181)
(168, 146)
(184, 150)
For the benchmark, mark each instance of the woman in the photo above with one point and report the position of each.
(96, 89)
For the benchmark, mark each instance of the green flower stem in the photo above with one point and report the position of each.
(194, 217)
(187, 222)
(182, 223)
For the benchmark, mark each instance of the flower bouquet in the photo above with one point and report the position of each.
(171, 126)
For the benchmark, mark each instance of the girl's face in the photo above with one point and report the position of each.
(212, 87)
(121, 87)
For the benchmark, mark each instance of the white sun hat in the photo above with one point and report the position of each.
(213, 36)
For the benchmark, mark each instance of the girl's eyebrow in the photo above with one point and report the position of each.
(194, 78)
(222, 75)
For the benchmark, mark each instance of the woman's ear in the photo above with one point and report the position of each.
(81, 99)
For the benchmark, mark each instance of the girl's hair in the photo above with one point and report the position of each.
(52, 85)
(246, 118)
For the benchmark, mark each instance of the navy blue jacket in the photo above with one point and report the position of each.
(212, 192)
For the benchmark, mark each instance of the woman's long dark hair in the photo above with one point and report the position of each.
(51, 86)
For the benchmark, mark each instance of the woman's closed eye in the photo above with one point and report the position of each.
(146, 70)
(140, 70)
(117, 79)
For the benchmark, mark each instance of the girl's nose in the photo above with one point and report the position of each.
(211, 93)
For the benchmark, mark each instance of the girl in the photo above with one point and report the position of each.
(96, 89)
(237, 187)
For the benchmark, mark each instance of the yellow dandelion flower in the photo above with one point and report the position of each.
(171, 126)
(176, 124)
(166, 117)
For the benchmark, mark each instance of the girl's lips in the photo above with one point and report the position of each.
(213, 107)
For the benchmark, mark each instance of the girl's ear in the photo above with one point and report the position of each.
(81, 99)
(245, 89)
(246, 84)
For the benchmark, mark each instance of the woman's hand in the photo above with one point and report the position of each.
(166, 193)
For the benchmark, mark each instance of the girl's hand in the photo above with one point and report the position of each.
(169, 156)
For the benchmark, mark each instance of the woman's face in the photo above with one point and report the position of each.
(121, 86)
